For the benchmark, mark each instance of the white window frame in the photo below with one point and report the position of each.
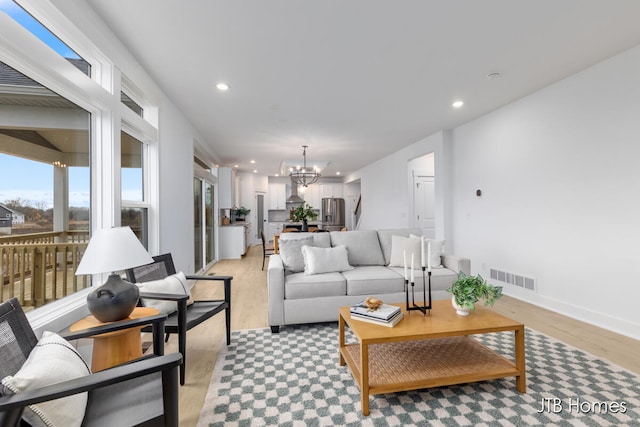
(100, 96)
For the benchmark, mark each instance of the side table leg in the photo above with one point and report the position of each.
(364, 378)
(341, 342)
(521, 380)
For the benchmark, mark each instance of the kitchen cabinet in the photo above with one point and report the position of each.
(312, 196)
(331, 190)
(277, 196)
(233, 241)
(227, 188)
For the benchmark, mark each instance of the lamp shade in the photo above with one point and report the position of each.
(113, 249)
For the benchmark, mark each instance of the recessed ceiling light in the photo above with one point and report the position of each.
(337, 173)
(252, 161)
(277, 174)
(222, 87)
(255, 171)
(457, 104)
(236, 166)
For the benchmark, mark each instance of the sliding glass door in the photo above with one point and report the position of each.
(203, 223)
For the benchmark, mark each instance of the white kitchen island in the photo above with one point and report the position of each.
(233, 240)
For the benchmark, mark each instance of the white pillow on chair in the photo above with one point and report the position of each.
(52, 360)
(175, 284)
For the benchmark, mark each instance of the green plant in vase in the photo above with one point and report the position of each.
(466, 291)
(304, 213)
(241, 212)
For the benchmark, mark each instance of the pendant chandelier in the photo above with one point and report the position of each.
(303, 176)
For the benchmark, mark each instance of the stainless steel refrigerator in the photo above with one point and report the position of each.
(332, 214)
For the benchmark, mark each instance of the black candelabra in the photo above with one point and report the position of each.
(424, 308)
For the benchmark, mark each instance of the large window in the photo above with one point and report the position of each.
(61, 161)
(22, 17)
(45, 143)
(132, 173)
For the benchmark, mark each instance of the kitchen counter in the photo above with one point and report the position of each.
(233, 240)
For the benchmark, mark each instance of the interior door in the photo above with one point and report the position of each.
(425, 201)
(261, 218)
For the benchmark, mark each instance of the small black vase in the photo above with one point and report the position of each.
(305, 226)
(113, 301)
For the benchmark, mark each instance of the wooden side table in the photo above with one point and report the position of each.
(114, 348)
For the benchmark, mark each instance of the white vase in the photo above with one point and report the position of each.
(461, 311)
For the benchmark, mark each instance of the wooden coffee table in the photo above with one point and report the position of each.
(432, 351)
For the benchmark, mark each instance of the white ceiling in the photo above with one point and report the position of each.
(356, 80)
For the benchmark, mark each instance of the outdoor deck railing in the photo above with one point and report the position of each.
(39, 268)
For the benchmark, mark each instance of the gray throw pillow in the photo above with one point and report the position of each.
(291, 253)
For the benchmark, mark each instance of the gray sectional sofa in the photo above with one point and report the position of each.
(297, 297)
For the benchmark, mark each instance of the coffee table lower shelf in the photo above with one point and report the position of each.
(412, 365)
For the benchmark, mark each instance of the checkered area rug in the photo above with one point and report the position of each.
(293, 379)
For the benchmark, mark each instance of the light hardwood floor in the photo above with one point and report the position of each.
(249, 310)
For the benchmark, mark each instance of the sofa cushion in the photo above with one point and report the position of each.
(300, 285)
(320, 240)
(384, 236)
(437, 250)
(325, 260)
(363, 246)
(401, 246)
(373, 280)
(291, 252)
(441, 278)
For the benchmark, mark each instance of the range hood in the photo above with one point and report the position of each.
(294, 198)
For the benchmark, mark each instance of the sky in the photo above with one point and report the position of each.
(27, 21)
(32, 181)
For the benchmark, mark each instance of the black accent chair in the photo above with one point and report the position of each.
(187, 316)
(115, 387)
(266, 249)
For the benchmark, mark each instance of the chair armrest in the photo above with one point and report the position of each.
(156, 319)
(91, 382)
(209, 277)
(227, 284)
(157, 327)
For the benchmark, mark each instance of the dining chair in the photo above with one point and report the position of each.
(266, 249)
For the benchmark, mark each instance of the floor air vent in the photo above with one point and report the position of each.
(513, 279)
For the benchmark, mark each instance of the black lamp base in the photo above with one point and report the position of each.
(113, 301)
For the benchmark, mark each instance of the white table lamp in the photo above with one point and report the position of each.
(111, 250)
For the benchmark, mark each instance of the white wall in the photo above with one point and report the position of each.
(176, 188)
(559, 177)
(386, 186)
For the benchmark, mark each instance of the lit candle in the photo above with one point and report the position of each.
(428, 256)
(412, 281)
(404, 256)
(422, 251)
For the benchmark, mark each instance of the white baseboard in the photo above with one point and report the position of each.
(601, 320)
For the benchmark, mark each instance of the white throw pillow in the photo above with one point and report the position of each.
(291, 252)
(401, 245)
(53, 360)
(437, 250)
(325, 260)
(175, 284)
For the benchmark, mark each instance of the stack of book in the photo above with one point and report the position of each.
(385, 315)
